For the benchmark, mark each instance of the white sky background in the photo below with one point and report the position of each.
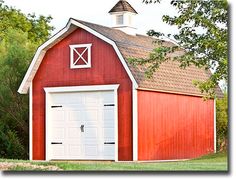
(96, 11)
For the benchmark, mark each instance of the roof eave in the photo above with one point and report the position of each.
(25, 84)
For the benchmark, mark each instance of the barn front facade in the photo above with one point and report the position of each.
(87, 102)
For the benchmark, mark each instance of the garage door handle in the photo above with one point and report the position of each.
(56, 142)
(82, 128)
(109, 142)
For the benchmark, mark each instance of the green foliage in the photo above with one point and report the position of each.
(37, 28)
(14, 107)
(10, 144)
(222, 122)
(20, 35)
(202, 34)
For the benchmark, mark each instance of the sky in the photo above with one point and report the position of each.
(96, 11)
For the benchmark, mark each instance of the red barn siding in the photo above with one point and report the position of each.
(172, 126)
(106, 69)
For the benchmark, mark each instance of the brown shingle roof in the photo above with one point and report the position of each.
(169, 77)
(121, 6)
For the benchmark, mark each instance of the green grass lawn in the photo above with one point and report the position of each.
(213, 162)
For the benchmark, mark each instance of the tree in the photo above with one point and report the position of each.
(20, 35)
(202, 34)
(222, 122)
(38, 29)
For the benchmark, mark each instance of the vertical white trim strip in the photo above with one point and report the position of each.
(116, 123)
(214, 125)
(47, 126)
(135, 124)
(31, 122)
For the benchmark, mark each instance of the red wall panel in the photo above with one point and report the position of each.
(106, 69)
(172, 126)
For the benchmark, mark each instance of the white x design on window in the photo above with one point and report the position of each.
(80, 56)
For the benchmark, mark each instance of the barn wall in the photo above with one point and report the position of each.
(106, 68)
(172, 126)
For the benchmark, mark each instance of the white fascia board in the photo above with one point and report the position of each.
(23, 89)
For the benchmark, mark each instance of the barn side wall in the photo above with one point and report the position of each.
(55, 71)
(172, 126)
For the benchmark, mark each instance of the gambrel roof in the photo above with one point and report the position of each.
(168, 78)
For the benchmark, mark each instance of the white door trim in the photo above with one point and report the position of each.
(49, 90)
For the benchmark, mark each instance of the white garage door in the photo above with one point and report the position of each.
(82, 126)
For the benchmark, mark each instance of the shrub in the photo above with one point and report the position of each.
(222, 123)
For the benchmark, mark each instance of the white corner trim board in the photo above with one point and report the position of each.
(23, 89)
(135, 124)
(214, 125)
(31, 122)
(93, 88)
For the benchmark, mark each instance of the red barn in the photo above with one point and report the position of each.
(87, 102)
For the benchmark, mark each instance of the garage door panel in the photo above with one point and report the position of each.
(91, 150)
(108, 117)
(75, 115)
(91, 116)
(91, 99)
(75, 150)
(109, 134)
(58, 98)
(58, 151)
(83, 124)
(108, 97)
(109, 150)
(58, 133)
(74, 98)
(58, 115)
(74, 133)
(91, 133)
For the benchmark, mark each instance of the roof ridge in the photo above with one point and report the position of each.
(78, 20)
(110, 28)
(123, 33)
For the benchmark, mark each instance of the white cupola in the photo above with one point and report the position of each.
(123, 17)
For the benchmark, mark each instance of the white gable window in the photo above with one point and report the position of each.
(80, 56)
(119, 19)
